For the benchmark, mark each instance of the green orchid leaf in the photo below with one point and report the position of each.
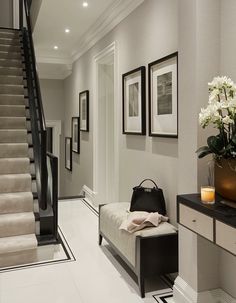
(234, 139)
(203, 151)
(216, 144)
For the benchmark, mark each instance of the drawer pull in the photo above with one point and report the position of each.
(194, 220)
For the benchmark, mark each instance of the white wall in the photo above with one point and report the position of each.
(53, 102)
(206, 48)
(203, 55)
(6, 13)
(148, 34)
(228, 68)
(34, 11)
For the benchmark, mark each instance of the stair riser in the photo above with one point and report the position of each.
(11, 71)
(32, 169)
(9, 41)
(11, 204)
(14, 136)
(14, 166)
(18, 258)
(34, 186)
(12, 89)
(13, 80)
(21, 225)
(10, 48)
(8, 34)
(15, 151)
(12, 111)
(11, 63)
(11, 55)
(12, 100)
(13, 184)
(13, 123)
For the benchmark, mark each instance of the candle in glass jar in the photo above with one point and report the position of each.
(208, 194)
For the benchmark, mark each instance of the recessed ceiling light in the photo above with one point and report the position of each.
(85, 4)
(55, 47)
(67, 30)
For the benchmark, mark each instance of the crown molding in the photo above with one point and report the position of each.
(118, 11)
(53, 60)
(54, 71)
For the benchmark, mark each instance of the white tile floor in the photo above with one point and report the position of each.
(95, 277)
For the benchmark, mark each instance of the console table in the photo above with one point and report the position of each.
(216, 222)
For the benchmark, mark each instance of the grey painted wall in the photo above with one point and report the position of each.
(205, 28)
(228, 68)
(34, 10)
(53, 102)
(6, 13)
(148, 34)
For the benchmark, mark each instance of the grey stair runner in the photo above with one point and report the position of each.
(18, 243)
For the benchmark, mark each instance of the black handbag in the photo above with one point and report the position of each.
(148, 199)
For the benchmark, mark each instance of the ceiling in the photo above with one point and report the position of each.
(57, 15)
(86, 24)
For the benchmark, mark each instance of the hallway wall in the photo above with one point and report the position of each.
(53, 102)
(146, 35)
(6, 13)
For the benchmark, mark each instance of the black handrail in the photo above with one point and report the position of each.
(36, 110)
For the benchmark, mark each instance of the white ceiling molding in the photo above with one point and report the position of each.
(53, 71)
(53, 60)
(118, 11)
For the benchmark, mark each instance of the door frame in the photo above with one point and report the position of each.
(99, 59)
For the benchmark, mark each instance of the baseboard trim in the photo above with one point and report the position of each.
(71, 197)
(184, 293)
(89, 195)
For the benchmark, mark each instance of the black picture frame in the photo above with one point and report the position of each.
(84, 110)
(134, 115)
(68, 153)
(75, 134)
(163, 115)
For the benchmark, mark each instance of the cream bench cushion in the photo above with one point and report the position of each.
(111, 217)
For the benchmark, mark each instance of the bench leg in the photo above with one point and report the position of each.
(141, 286)
(100, 240)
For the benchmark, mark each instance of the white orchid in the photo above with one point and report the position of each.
(227, 120)
(221, 112)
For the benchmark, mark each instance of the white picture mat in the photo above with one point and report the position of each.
(83, 103)
(164, 124)
(68, 160)
(132, 124)
(74, 126)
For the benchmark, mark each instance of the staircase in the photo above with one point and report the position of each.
(18, 208)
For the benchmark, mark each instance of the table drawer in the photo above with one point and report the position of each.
(226, 237)
(197, 222)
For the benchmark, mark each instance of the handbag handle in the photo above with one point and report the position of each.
(148, 180)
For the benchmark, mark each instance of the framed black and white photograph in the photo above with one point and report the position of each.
(75, 131)
(84, 110)
(68, 153)
(134, 102)
(163, 97)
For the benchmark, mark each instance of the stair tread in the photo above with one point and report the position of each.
(11, 85)
(16, 195)
(16, 176)
(18, 243)
(12, 105)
